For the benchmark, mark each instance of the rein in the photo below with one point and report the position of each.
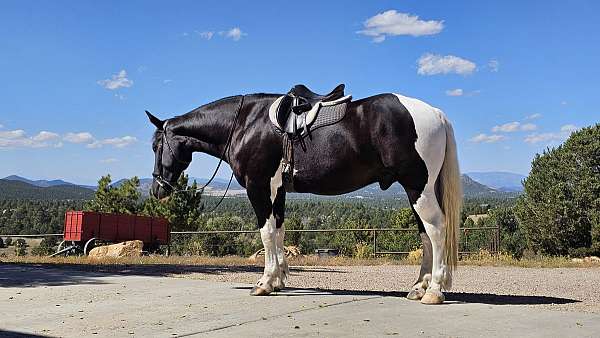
(163, 182)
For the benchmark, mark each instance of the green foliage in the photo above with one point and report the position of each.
(8, 242)
(47, 247)
(23, 217)
(512, 240)
(20, 247)
(122, 199)
(560, 210)
(1, 243)
(181, 209)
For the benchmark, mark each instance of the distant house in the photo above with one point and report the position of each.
(477, 217)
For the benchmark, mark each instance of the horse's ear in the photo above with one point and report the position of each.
(155, 121)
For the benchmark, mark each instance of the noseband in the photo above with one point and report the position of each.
(161, 181)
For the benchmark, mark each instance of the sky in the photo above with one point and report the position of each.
(514, 77)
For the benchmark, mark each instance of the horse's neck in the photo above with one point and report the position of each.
(208, 126)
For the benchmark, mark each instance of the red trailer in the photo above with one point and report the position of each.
(85, 228)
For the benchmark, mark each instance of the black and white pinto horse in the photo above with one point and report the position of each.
(385, 138)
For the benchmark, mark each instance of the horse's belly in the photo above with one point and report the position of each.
(334, 162)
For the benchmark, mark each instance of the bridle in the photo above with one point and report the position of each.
(162, 182)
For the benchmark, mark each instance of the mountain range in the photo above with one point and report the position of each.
(497, 184)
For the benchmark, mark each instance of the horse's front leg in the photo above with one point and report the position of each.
(268, 201)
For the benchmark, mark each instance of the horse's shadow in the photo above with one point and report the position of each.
(451, 297)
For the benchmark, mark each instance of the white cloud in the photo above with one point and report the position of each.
(167, 81)
(393, 23)
(83, 137)
(484, 138)
(46, 136)
(116, 81)
(563, 134)
(117, 142)
(432, 64)
(206, 35)
(12, 134)
(494, 65)
(514, 126)
(454, 92)
(19, 139)
(235, 34)
(109, 160)
(533, 116)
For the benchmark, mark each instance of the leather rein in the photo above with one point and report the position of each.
(163, 182)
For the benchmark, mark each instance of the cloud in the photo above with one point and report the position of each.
(234, 34)
(484, 138)
(563, 134)
(109, 160)
(454, 92)
(83, 137)
(393, 23)
(206, 35)
(432, 64)
(117, 142)
(494, 65)
(514, 126)
(19, 139)
(46, 136)
(533, 116)
(167, 81)
(116, 81)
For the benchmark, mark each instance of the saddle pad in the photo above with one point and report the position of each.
(321, 114)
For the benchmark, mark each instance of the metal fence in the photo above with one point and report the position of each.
(472, 239)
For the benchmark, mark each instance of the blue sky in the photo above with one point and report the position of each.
(514, 77)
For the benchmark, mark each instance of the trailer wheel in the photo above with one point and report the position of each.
(89, 245)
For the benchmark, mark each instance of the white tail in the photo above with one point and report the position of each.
(451, 192)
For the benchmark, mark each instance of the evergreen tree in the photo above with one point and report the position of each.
(560, 209)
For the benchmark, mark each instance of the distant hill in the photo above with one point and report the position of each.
(499, 180)
(15, 189)
(44, 183)
(19, 186)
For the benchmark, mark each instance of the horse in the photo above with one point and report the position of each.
(385, 138)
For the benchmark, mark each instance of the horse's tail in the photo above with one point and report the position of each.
(451, 192)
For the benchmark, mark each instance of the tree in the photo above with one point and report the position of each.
(560, 209)
(123, 199)
(182, 209)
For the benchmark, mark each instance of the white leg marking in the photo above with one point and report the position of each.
(431, 146)
(271, 236)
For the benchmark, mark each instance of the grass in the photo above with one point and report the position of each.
(481, 259)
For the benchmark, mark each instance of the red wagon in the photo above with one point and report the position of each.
(83, 229)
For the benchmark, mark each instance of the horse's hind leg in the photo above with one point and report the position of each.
(418, 290)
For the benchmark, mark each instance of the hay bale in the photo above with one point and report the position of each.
(124, 249)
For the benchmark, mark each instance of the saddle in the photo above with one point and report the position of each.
(296, 111)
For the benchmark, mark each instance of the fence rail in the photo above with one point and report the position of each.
(493, 245)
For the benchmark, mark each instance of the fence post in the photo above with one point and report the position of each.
(374, 243)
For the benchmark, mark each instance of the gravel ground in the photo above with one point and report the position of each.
(566, 289)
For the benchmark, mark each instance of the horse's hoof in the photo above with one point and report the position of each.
(258, 291)
(416, 294)
(433, 297)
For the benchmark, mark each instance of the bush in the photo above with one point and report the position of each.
(47, 247)
(560, 208)
(20, 247)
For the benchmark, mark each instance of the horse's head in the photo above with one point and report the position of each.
(172, 155)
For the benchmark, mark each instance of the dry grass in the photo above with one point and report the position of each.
(481, 259)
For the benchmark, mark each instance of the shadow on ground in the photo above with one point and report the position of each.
(451, 297)
(49, 274)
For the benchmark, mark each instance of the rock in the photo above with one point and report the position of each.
(595, 259)
(577, 260)
(124, 249)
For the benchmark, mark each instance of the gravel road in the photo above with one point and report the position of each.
(567, 289)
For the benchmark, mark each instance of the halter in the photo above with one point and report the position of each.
(161, 181)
